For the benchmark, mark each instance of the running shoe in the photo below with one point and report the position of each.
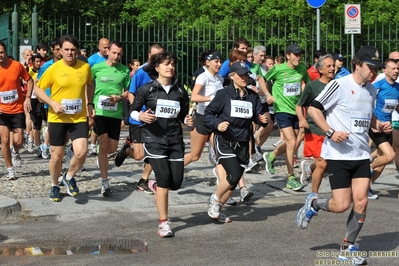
(293, 184)
(257, 157)
(54, 193)
(11, 174)
(164, 229)
(121, 155)
(231, 202)
(111, 156)
(245, 194)
(305, 175)
(269, 163)
(71, 185)
(372, 195)
(214, 209)
(39, 152)
(105, 188)
(31, 145)
(93, 150)
(142, 185)
(306, 213)
(223, 218)
(276, 144)
(212, 156)
(351, 253)
(251, 164)
(295, 164)
(16, 158)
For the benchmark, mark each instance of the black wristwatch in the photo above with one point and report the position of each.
(330, 132)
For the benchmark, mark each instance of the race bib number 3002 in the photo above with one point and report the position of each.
(360, 122)
(241, 109)
(167, 109)
(72, 106)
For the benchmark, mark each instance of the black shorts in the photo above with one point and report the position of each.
(341, 172)
(58, 132)
(379, 138)
(126, 113)
(135, 133)
(13, 121)
(201, 126)
(287, 120)
(109, 125)
(229, 149)
(173, 152)
(36, 113)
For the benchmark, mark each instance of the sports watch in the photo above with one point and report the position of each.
(330, 132)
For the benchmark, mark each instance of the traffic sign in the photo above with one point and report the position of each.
(352, 19)
(316, 3)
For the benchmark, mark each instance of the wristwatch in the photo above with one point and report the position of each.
(330, 132)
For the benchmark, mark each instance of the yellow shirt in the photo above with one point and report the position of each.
(67, 87)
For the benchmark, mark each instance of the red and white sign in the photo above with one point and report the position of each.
(352, 19)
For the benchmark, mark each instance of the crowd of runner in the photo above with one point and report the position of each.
(50, 104)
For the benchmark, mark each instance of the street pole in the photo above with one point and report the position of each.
(353, 45)
(318, 29)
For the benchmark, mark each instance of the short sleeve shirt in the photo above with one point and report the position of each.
(11, 95)
(67, 87)
(110, 80)
(211, 84)
(287, 86)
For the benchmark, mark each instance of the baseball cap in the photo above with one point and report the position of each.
(239, 67)
(338, 57)
(294, 48)
(369, 54)
(214, 56)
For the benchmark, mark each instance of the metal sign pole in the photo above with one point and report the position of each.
(318, 28)
(353, 45)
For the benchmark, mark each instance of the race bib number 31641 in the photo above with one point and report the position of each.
(72, 106)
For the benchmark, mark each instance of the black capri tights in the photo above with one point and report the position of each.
(168, 173)
(233, 170)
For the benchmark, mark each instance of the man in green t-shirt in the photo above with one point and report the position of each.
(314, 136)
(112, 80)
(287, 80)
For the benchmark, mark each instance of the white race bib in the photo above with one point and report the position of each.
(292, 89)
(389, 105)
(72, 106)
(167, 108)
(241, 109)
(9, 96)
(105, 104)
(360, 122)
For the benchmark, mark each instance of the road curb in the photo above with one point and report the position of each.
(9, 208)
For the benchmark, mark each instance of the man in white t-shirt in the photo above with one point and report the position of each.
(348, 103)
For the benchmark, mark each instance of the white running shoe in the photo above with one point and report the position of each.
(305, 175)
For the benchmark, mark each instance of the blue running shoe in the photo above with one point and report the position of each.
(306, 213)
(54, 193)
(351, 254)
(72, 188)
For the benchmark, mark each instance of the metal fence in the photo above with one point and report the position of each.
(187, 41)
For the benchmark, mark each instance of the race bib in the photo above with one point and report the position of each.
(389, 106)
(360, 122)
(241, 109)
(105, 104)
(167, 108)
(9, 96)
(72, 106)
(292, 89)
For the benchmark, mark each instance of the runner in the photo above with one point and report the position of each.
(67, 79)
(167, 105)
(386, 103)
(111, 81)
(232, 129)
(314, 137)
(348, 103)
(12, 106)
(287, 89)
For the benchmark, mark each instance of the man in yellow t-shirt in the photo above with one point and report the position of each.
(70, 83)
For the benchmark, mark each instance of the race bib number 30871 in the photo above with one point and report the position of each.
(72, 106)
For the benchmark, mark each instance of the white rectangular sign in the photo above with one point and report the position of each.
(352, 19)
